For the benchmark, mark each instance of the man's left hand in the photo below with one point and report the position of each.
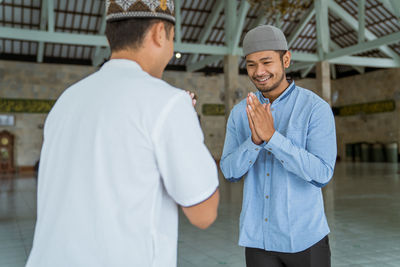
(262, 118)
(193, 97)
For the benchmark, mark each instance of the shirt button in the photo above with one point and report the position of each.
(267, 174)
(272, 109)
(282, 161)
(266, 220)
(267, 197)
(269, 148)
(269, 153)
(257, 149)
(250, 162)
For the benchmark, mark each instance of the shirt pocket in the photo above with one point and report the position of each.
(297, 136)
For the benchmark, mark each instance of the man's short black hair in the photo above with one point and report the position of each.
(130, 33)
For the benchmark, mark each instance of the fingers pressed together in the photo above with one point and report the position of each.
(193, 96)
(261, 121)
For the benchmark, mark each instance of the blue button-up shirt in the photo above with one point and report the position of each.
(282, 207)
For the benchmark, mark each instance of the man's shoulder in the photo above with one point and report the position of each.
(310, 97)
(238, 110)
(239, 107)
(166, 93)
(162, 88)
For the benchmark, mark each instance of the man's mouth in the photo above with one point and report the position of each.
(263, 79)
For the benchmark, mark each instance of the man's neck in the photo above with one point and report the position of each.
(274, 94)
(140, 58)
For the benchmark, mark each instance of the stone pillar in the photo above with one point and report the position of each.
(324, 91)
(324, 81)
(231, 77)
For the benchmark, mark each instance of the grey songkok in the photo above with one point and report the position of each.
(264, 37)
(125, 9)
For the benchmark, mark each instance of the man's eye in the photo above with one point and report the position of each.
(266, 63)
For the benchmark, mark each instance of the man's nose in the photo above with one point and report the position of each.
(260, 70)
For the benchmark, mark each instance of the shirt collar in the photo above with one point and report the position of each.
(285, 94)
(126, 63)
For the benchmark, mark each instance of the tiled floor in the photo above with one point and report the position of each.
(362, 206)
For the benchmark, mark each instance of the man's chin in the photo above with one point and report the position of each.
(266, 89)
(270, 88)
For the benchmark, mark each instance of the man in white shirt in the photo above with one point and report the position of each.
(122, 149)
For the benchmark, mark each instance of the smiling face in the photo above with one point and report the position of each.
(266, 69)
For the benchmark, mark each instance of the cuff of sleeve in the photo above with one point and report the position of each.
(201, 198)
(274, 142)
(249, 145)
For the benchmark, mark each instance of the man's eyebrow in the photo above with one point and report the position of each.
(262, 59)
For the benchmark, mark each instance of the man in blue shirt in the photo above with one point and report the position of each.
(282, 140)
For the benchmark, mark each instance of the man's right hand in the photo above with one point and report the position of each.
(254, 137)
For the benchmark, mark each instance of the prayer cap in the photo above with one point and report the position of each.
(125, 9)
(262, 38)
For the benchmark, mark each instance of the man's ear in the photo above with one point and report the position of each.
(286, 59)
(157, 33)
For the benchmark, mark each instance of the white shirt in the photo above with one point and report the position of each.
(121, 150)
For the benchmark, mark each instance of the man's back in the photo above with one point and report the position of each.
(109, 175)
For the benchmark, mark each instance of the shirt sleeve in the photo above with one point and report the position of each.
(237, 158)
(187, 168)
(316, 162)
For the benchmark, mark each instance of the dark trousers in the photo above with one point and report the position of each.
(319, 255)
